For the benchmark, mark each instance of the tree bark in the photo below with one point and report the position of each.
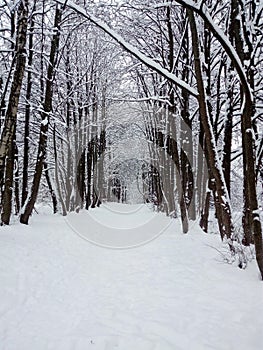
(7, 136)
(8, 188)
(51, 190)
(224, 209)
(60, 196)
(251, 219)
(47, 108)
(27, 112)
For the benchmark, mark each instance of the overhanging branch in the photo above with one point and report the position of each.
(202, 11)
(149, 62)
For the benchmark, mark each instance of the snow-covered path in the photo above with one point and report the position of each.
(60, 292)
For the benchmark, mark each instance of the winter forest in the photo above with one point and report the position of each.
(134, 104)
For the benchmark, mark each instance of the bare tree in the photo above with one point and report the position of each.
(45, 116)
(9, 129)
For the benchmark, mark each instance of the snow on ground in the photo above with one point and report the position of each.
(61, 292)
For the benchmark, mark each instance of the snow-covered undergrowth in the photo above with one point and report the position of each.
(60, 292)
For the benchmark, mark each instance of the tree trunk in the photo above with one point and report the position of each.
(8, 188)
(250, 178)
(64, 208)
(251, 219)
(16, 179)
(7, 136)
(51, 190)
(47, 108)
(224, 214)
(27, 113)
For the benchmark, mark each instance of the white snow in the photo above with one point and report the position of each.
(200, 8)
(45, 121)
(60, 292)
(130, 48)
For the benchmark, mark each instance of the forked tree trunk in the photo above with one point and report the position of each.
(42, 148)
(222, 197)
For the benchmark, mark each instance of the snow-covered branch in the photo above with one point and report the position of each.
(149, 62)
(203, 12)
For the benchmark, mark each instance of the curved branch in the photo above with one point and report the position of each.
(149, 62)
(203, 12)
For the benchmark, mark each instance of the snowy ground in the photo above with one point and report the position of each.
(60, 292)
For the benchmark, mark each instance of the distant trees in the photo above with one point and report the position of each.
(79, 136)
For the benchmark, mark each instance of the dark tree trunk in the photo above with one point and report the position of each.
(8, 188)
(64, 208)
(16, 179)
(172, 151)
(8, 133)
(251, 219)
(89, 174)
(81, 171)
(228, 142)
(224, 211)
(250, 179)
(205, 212)
(51, 190)
(42, 149)
(27, 113)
